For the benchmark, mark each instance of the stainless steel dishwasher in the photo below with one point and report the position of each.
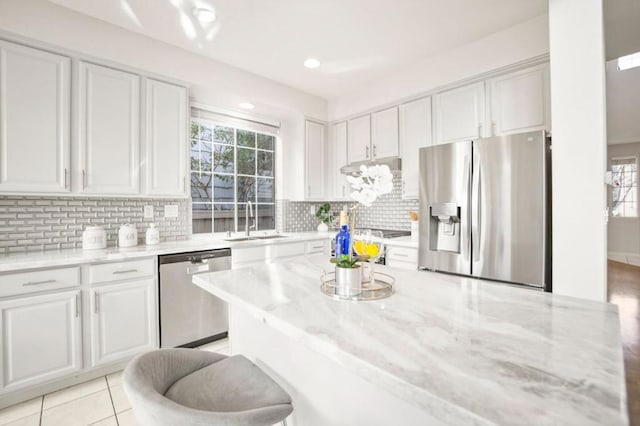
(190, 316)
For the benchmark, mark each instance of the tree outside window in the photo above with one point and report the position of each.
(624, 199)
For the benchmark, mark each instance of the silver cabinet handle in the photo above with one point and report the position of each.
(66, 175)
(308, 190)
(374, 151)
(493, 128)
(30, 283)
(400, 255)
(479, 130)
(96, 301)
(84, 179)
(126, 271)
(343, 190)
(77, 305)
(366, 151)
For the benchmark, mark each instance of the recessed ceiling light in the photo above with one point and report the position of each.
(206, 16)
(247, 105)
(312, 63)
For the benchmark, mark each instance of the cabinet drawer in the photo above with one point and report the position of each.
(393, 263)
(319, 246)
(106, 272)
(403, 254)
(286, 250)
(248, 254)
(41, 280)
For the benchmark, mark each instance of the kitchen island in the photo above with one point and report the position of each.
(442, 350)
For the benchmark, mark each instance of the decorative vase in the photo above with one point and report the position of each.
(323, 227)
(348, 281)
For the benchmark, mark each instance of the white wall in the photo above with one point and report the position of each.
(213, 82)
(524, 41)
(578, 115)
(623, 232)
(623, 104)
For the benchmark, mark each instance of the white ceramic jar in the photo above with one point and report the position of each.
(127, 235)
(94, 238)
(152, 235)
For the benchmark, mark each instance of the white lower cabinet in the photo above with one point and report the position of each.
(123, 320)
(402, 257)
(41, 338)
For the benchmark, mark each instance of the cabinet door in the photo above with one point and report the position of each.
(415, 133)
(123, 320)
(460, 114)
(384, 133)
(359, 139)
(339, 189)
(109, 131)
(41, 338)
(35, 88)
(314, 160)
(520, 101)
(166, 131)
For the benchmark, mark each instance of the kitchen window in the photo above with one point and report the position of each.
(232, 163)
(624, 200)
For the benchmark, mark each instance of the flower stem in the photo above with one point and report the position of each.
(352, 227)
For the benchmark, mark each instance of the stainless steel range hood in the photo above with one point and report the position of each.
(395, 164)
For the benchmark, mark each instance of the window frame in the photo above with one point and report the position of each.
(636, 214)
(236, 127)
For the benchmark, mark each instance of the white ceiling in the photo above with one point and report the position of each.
(357, 41)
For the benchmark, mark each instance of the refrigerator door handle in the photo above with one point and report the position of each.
(475, 212)
(466, 178)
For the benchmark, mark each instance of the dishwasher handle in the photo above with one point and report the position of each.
(197, 267)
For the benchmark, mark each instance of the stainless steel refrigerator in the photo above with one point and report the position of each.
(485, 209)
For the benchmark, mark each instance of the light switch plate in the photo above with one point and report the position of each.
(148, 212)
(171, 210)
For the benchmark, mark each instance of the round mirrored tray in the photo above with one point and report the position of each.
(380, 288)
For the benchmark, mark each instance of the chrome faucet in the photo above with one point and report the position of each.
(248, 212)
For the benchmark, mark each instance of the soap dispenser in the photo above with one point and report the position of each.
(152, 235)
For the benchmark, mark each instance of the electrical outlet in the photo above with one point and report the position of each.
(148, 212)
(170, 210)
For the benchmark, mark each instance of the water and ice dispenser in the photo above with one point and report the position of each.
(444, 227)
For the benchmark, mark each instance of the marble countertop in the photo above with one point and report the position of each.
(55, 258)
(468, 351)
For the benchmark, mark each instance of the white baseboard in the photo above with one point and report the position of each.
(630, 258)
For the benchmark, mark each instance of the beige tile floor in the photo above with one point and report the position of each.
(98, 402)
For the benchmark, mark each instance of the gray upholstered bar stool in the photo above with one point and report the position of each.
(184, 387)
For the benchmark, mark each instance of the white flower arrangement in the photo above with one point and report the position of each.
(372, 182)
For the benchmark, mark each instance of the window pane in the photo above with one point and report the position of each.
(266, 216)
(202, 219)
(205, 133)
(223, 135)
(266, 141)
(265, 191)
(624, 191)
(246, 138)
(201, 187)
(223, 158)
(224, 217)
(246, 161)
(195, 130)
(195, 155)
(265, 163)
(223, 188)
(246, 189)
(205, 156)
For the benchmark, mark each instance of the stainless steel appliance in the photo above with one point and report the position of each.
(485, 209)
(189, 316)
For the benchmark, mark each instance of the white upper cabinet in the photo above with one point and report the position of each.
(359, 139)
(35, 89)
(415, 133)
(384, 133)
(315, 143)
(41, 338)
(338, 185)
(109, 131)
(166, 131)
(520, 101)
(460, 114)
(123, 320)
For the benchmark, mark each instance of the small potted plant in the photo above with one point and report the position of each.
(324, 215)
(348, 275)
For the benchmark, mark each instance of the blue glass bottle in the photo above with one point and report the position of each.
(343, 237)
